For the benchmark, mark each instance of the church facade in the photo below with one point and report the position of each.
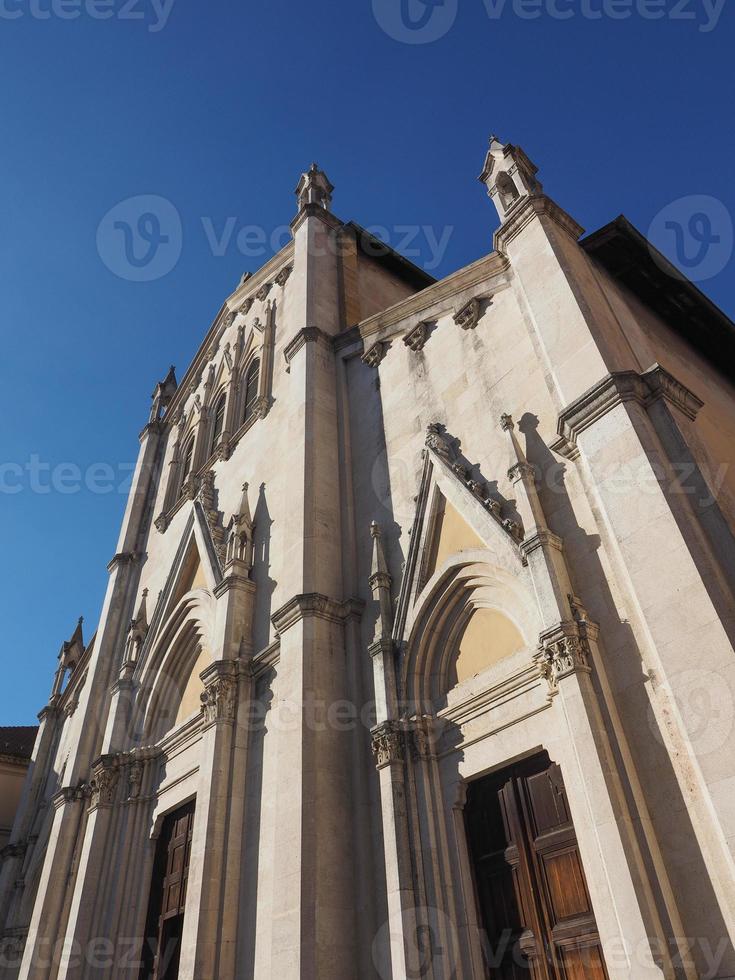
(416, 657)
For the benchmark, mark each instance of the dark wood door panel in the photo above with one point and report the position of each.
(530, 883)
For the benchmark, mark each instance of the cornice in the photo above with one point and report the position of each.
(121, 558)
(315, 605)
(530, 208)
(488, 267)
(267, 659)
(307, 335)
(315, 211)
(620, 387)
(232, 304)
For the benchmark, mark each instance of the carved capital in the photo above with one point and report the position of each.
(387, 743)
(563, 650)
(103, 784)
(219, 697)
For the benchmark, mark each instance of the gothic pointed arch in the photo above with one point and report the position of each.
(180, 637)
(466, 601)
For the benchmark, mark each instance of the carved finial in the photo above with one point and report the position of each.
(379, 565)
(506, 422)
(314, 188)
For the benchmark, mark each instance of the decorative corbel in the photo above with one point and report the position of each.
(469, 315)
(375, 354)
(416, 339)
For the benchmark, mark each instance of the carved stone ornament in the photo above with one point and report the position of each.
(387, 741)
(468, 317)
(423, 738)
(213, 516)
(135, 779)
(161, 523)
(263, 291)
(438, 441)
(15, 850)
(103, 784)
(563, 651)
(375, 354)
(229, 319)
(247, 305)
(416, 339)
(283, 275)
(219, 700)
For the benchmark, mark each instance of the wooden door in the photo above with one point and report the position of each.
(168, 896)
(531, 889)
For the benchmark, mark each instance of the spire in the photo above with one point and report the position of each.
(241, 534)
(509, 175)
(140, 621)
(314, 188)
(72, 650)
(162, 394)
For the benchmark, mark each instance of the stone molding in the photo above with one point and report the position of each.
(69, 794)
(16, 849)
(121, 558)
(307, 335)
(382, 647)
(429, 301)
(444, 448)
(620, 387)
(543, 538)
(387, 744)
(315, 211)
(314, 604)
(527, 211)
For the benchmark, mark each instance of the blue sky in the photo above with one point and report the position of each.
(217, 107)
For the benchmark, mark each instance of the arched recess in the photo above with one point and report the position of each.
(169, 684)
(469, 590)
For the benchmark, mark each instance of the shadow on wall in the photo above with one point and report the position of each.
(625, 669)
(261, 573)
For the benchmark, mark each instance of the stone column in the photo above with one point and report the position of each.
(566, 659)
(211, 916)
(48, 922)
